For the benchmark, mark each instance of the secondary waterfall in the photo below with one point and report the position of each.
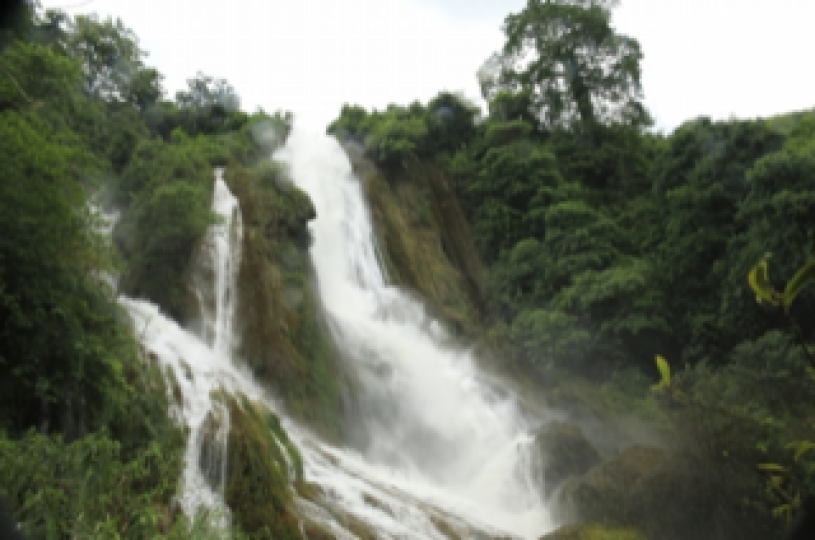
(201, 364)
(430, 423)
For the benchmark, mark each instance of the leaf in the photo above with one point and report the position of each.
(801, 448)
(759, 281)
(783, 511)
(664, 371)
(800, 280)
(770, 467)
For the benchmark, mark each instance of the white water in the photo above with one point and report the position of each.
(441, 445)
(200, 365)
(430, 424)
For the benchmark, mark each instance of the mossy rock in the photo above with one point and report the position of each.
(259, 473)
(283, 337)
(564, 452)
(593, 532)
(669, 495)
(426, 243)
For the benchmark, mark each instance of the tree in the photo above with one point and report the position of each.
(208, 102)
(577, 70)
(112, 62)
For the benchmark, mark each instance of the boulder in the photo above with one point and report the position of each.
(564, 452)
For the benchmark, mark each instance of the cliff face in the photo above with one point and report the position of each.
(281, 331)
(424, 239)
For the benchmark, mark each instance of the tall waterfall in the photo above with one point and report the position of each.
(429, 420)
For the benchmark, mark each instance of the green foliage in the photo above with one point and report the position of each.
(77, 110)
(88, 488)
(548, 337)
(450, 123)
(112, 62)
(392, 139)
(350, 124)
(262, 465)
(515, 184)
(208, 105)
(169, 189)
(61, 337)
(33, 75)
(702, 185)
(776, 218)
(399, 133)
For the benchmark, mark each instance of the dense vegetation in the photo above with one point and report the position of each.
(602, 244)
(87, 448)
(606, 243)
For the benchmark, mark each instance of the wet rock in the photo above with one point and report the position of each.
(564, 452)
(258, 473)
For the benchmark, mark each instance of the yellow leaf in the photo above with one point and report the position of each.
(783, 511)
(759, 281)
(771, 467)
(801, 448)
(800, 280)
(664, 371)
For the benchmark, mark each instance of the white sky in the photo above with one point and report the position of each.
(722, 58)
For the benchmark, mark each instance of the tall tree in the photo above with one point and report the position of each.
(112, 62)
(577, 70)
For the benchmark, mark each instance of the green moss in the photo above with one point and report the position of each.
(282, 336)
(424, 240)
(258, 474)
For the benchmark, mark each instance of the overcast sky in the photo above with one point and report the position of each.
(721, 58)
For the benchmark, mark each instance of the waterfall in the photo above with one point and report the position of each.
(444, 453)
(431, 424)
(215, 273)
(200, 365)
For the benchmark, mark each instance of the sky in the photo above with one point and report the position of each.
(720, 58)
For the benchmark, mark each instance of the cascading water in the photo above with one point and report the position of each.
(432, 426)
(201, 365)
(216, 269)
(442, 446)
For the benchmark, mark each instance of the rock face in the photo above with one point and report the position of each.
(424, 239)
(564, 452)
(667, 495)
(282, 335)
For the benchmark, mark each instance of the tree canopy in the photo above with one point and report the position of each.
(576, 69)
